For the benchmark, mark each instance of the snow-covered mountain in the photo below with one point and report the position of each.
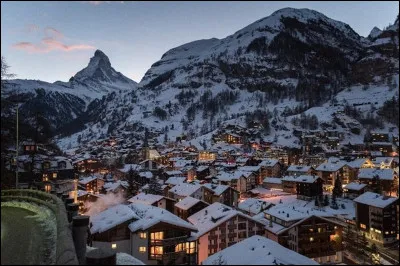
(293, 59)
(61, 102)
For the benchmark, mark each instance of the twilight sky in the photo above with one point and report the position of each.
(53, 40)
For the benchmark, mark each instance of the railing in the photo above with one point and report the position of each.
(65, 249)
(168, 241)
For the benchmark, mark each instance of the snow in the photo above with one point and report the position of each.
(150, 216)
(253, 206)
(186, 203)
(375, 32)
(298, 168)
(127, 167)
(354, 186)
(86, 180)
(258, 250)
(369, 173)
(122, 258)
(111, 217)
(301, 178)
(375, 200)
(273, 180)
(218, 189)
(185, 189)
(175, 180)
(332, 166)
(111, 187)
(148, 199)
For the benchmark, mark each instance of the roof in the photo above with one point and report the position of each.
(357, 163)
(202, 168)
(331, 166)
(144, 198)
(187, 203)
(111, 186)
(253, 206)
(354, 186)
(258, 250)
(173, 173)
(147, 174)
(299, 168)
(218, 189)
(86, 180)
(212, 216)
(185, 189)
(127, 167)
(268, 162)
(111, 217)
(375, 200)
(301, 178)
(175, 180)
(369, 173)
(151, 215)
(228, 176)
(273, 180)
(249, 168)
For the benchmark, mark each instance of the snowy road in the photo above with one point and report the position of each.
(20, 237)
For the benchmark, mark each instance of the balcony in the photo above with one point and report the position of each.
(168, 241)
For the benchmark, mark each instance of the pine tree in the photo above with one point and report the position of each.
(131, 178)
(333, 202)
(326, 200)
(338, 190)
(154, 186)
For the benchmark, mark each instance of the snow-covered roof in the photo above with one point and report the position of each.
(382, 160)
(273, 180)
(212, 216)
(127, 167)
(126, 259)
(375, 200)
(300, 179)
(146, 174)
(144, 198)
(258, 250)
(228, 176)
(111, 217)
(151, 215)
(218, 189)
(111, 186)
(268, 162)
(369, 173)
(185, 189)
(299, 168)
(86, 180)
(253, 206)
(173, 173)
(175, 180)
(202, 168)
(249, 168)
(354, 186)
(357, 163)
(186, 203)
(330, 166)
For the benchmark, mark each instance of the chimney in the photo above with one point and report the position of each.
(79, 235)
(68, 201)
(72, 211)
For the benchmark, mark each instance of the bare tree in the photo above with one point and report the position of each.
(5, 74)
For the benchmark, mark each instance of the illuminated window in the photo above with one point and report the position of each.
(363, 226)
(157, 250)
(143, 235)
(335, 227)
(311, 239)
(54, 175)
(311, 230)
(47, 188)
(157, 236)
(113, 246)
(180, 247)
(190, 247)
(319, 229)
(142, 249)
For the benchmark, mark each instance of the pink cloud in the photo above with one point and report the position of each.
(50, 44)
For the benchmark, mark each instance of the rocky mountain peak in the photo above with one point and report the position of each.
(375, 32)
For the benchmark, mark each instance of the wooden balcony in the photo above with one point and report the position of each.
(168, 241)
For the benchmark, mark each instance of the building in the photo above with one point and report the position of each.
(207, 156)
(385, 180)
(353, 190)
(257, 250)
(273, 183)
(154, 200)
(296, 170)
(376, 216)
(306, 187)
(223, 194)
(219, 227)
(270, 168)
(151, 234)
(189, 206)
(90, 183)
(329, 171)
(379, 136)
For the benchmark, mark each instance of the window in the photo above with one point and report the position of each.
(142, 249)
(311, 230)
(319, 230)
(114, 246)
(311, 239)
(363, 226)
(156, 250)
(142, 235)
(242, 226)
(157, 236)
(190, 247)
(180, 247)
(54, 175)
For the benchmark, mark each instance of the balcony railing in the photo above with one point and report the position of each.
(168, 241)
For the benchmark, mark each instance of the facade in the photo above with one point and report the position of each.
(376, 216)
(188, 206)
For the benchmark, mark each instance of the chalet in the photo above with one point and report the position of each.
(376, 217)
(351, 169)
(219, 227)
(296, 170)
(197, 191)
(385, 180)
(306, 187)
(380, 136)
(385, 147)
(223, 194)
(353, 190)
(384, 162)
(87, 165)
(273, 183)
(188, 206)
(116, 187)
(91, 184)
(256, 170)
(235, 180)
(329, 171)
(149, 165)
(232, 138)
(154, 200)
(203, 172)
(270, 168)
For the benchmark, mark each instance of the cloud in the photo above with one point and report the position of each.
(51, 42)
(101, 2)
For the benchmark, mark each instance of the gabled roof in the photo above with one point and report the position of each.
(149, 216)
(175, 180)
(299, 168)
(369, 173)
(144, 198)
(218, 189)
(87, 179)
(301, 178)
(268, 162)
(332, 166)
(355, 186)
(258, 250)
(375, 200)
(111, 217)
(185, 189)
(187, 203)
